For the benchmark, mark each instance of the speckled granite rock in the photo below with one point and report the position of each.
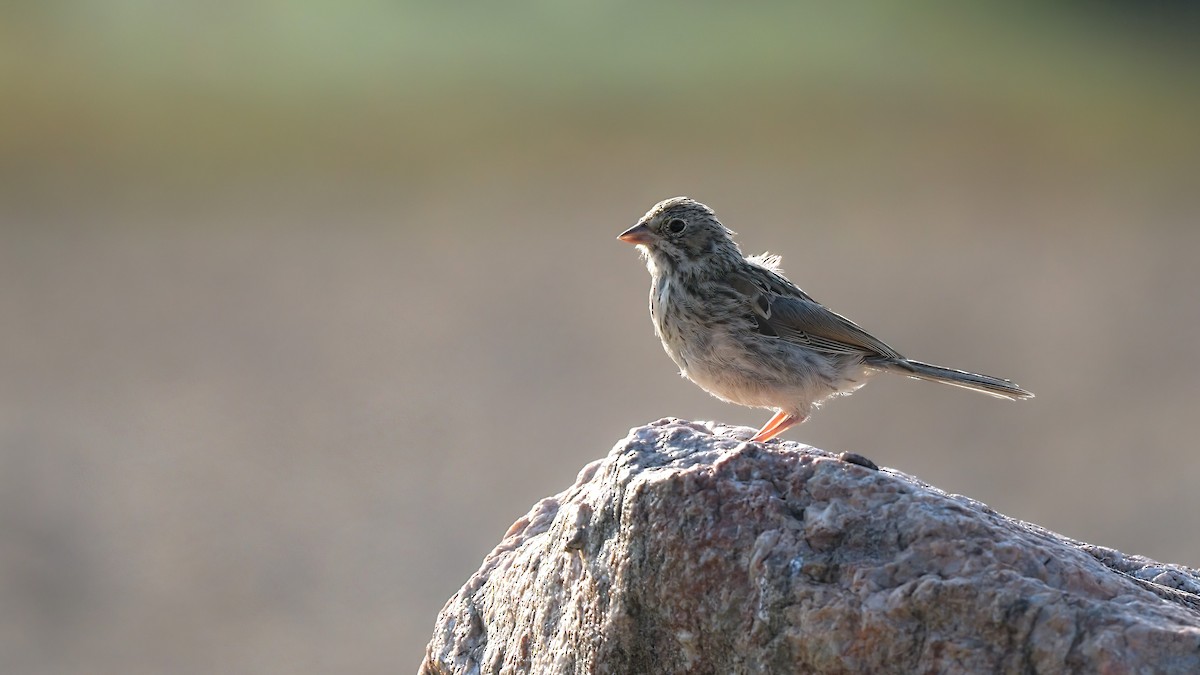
(687, 550)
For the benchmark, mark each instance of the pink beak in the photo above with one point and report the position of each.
(638, 234)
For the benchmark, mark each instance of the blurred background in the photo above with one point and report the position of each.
(304, 303)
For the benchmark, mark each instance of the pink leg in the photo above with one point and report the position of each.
(778, 424)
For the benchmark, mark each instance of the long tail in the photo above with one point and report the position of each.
(984, 384)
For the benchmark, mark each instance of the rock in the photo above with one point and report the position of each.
(689, 550)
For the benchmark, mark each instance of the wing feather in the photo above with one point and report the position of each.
(788, 313)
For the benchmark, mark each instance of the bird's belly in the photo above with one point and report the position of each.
(763, 373)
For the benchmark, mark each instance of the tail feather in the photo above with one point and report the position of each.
(984, 384)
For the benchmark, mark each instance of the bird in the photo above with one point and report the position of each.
(740, 330)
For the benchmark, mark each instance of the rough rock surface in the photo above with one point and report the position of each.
(689, 550)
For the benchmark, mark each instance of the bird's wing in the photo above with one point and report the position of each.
(784, 311)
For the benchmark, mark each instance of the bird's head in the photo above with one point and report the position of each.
(680, 232)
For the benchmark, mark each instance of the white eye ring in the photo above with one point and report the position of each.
(676, 225)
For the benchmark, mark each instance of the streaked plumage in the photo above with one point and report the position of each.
(741, 331)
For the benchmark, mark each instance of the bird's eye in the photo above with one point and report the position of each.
(676, 225)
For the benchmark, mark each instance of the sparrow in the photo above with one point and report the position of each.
(744, 333)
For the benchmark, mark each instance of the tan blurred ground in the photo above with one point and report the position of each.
(303, 305)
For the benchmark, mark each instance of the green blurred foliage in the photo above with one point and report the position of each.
(413, 88)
